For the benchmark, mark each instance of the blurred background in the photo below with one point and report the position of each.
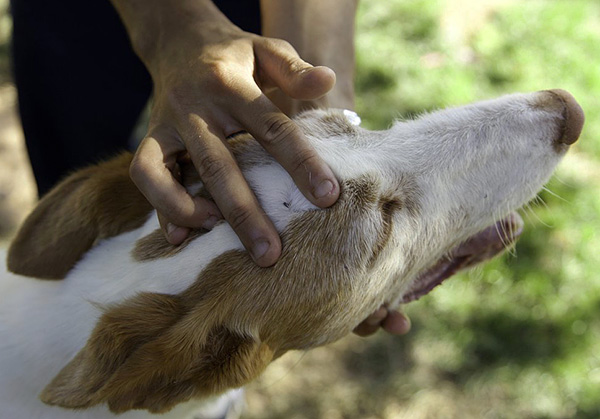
(516, 338)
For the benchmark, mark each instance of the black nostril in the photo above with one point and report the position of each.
(572, 113)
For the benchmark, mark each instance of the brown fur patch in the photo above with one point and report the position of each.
(332, 123)
(155, 245)
(336, 124)
(92, 204)
(225, 328)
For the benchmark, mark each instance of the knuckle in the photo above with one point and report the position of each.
(292, 66)
(219, 70)
(213, 80)
(174, 214)
(213, 169)
(175, 104)
(303, 160)
(277, 43)
(177, 209)
(177, 96)
(139, 168)
(220, 78)
(277, 130)
(290, 62)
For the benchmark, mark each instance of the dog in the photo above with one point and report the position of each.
(101, 315)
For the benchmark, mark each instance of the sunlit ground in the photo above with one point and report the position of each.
(518, 338)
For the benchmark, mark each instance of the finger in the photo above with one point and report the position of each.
(279, 63)
(372, 323)
(224, 180)
(396, 323)
(174, 234)
(282, 138)
(152, 172)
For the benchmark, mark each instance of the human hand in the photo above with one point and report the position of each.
(391, 321)
(210, 81)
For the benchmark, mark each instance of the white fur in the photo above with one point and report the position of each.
(489, 158)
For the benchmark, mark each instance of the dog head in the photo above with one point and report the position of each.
(418, 202)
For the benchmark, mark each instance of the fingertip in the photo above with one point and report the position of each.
(364, 330)
(323, 187)
(377, 317)
(211, 222)
(326, 192)
(321, 74)
(372, 323)
(313, 83)
(294, 76)
(396, 323)
(207, 214)
(175, 235)
(265, 252)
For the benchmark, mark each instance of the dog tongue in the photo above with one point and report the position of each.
(482, 246)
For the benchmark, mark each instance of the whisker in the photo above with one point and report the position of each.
(526, 208)
(288, 372)
(537, 217)
(538, 201)
(561, 181)
(554, 194)
(543, 203)
(511, 247)
(504, 233)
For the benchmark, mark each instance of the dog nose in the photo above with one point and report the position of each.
(573, 116)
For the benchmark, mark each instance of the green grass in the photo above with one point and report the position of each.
(520, 336)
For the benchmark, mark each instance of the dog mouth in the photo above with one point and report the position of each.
(480, 247)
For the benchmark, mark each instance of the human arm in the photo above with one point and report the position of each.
(322, 32)
(209, 81)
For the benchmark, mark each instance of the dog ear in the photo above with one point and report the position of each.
(153, 353)
(93, 203)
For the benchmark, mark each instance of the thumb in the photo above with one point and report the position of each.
(279, 64)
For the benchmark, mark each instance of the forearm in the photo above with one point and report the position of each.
(153, 24)
(322, 31)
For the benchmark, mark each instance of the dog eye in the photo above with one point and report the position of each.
(286, 204)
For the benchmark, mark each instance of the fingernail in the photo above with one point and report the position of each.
(260, 248)
(171, 228)
(175, 234)
(210, 222)
(325, 188)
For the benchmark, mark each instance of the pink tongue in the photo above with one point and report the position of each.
(482, 246)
